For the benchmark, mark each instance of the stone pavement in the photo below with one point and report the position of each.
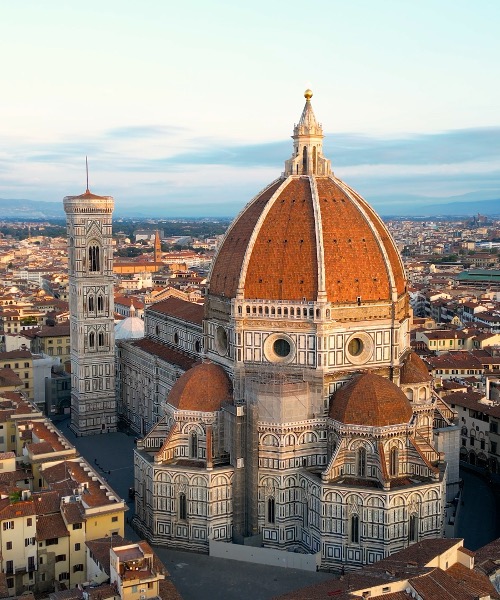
(196, 576)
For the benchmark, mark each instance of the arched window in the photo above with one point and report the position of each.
(270, 510)
(409, 394)
(194, 445)
(354, 529)
(314, 160)
(94, 258)
(100, 339)
(304, 161)
(182, 506)
(393, 462)
(361, 462)
(91, 339)
(413, 530)
(100, 303)
(91, 303)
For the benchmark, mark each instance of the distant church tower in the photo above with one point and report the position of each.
(157, 255)
(91, 305)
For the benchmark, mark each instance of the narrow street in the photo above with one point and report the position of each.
(478, 523)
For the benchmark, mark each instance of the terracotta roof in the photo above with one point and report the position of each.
(72, 512)
(455, 360)
(166, 353)
(54, 331)
(370, 400)
(100, 549)
(487, 558)
(203, 388)
(17, 509)
(8, 378)
(414, 370)
(46, 503)
(50, 526)
(276, 237)
(15, 354)
(186, 311)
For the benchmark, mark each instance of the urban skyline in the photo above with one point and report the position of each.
(170, 108)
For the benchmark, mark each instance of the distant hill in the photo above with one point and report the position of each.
(457, 206)
(30, 209)
(396, 206)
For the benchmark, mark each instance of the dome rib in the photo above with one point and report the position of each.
(225, 274)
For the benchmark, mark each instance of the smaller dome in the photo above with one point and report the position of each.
(202, 388)
(414, 370)
(131, 328)
(370, 400)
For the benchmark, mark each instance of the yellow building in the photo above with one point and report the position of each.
(53, 341)
(18, 544)
(21, 362)
(133, 572)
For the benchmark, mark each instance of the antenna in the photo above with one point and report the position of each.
(87, 169)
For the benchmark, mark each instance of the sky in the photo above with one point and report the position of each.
(188, 107)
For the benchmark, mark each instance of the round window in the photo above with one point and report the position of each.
(281, 347)
(355, 347)
(359, 348)
(221, 340)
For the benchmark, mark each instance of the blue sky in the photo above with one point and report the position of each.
(190, 106)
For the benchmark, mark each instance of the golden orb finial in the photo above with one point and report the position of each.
(308, 94)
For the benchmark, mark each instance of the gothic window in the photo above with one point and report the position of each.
(413, 528)
(361, 462)
(91, 303)
(100, 339)
(354, 529)
(92, 339)
(393, 462)
(304, 160)
(182, 507)
(94, 258)
(100, 303)
(314, 160)
(194, 445)
(270, 510)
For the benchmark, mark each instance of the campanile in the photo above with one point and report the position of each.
(91, 305)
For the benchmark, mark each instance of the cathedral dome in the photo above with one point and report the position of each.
(414, 370)
(370, 400)
(307, 237)
(131, 328)
(202, 388)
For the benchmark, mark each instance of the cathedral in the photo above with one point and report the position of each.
(304, 421)
(288, 411)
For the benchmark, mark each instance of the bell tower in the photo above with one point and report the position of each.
(91, 305)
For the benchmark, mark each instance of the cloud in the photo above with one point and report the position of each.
(133, 132)
(165, 164)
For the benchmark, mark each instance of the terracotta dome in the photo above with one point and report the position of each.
(308, 236)
(202, 388)
(370, 400)
(414, 370)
